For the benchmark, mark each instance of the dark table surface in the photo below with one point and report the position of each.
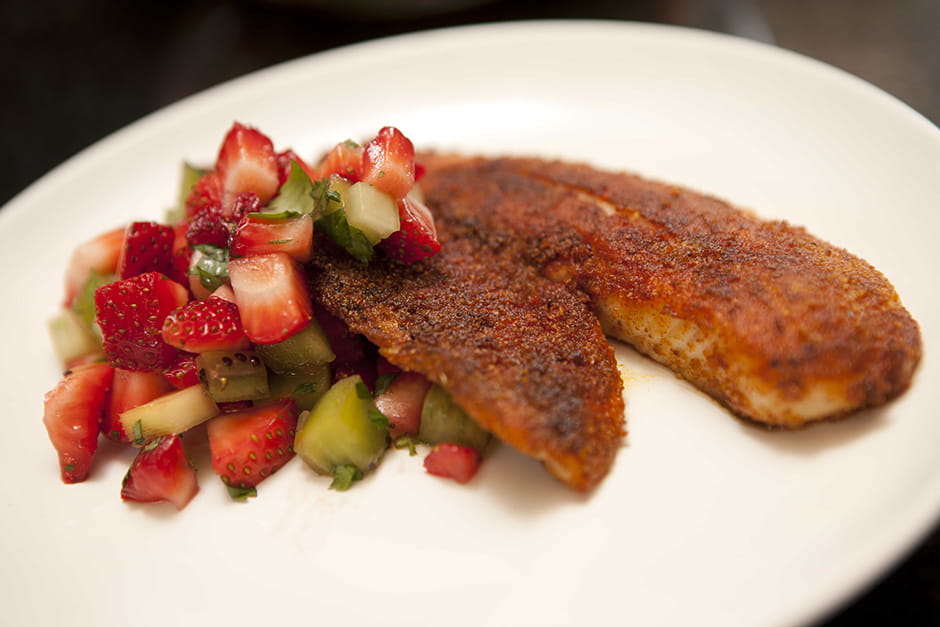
(74, 71)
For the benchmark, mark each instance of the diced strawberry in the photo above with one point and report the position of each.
(205, 193)
(90, 358)
(208, 226)
(130, 389)
(205, 325)
(182, 373)
(453, 461)
(71, 413)
(244, 203)
(148, 247)
(248, 446)
(99, 254)
(130, 313)
(180, 255)
(247, 163)
(420, 170)
(214, 224)
(283, 166)
(259, 234)
(388, 162)
(224, 292)
(401, 402)
(345, 159)
(272, 296)
(417, 238)
(161, 472)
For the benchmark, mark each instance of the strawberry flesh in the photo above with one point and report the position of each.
(130, 313)
(182, 373)
(402, 401)
(417, 237)
(161, 472)
(130, 389)
(259, 234)
(148, 247)
(272, 296)
(205, 325)
(283, 166)
(388, 162)
(205, 193)
(453, 461)
(248, 446)
(100, 254)
(345, 159)
(247, 163)
(71, 414)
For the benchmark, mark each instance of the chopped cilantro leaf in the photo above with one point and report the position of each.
(241, 494)
(212, 267)
(384, 381)
(408, 442)
(362, 391)
(344, 476)
(296, 194)
(269, 215)
(325, 199)
(138, 433)
(349, 237)
(378, 419)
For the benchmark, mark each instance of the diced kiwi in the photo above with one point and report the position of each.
(303, 352)
(84, 303)
(189, 176)
(343, 429)
(233, 375)
(71, 337)
(372, 211)
(171, 413)
(443, 421)
(328, 195)
(305, 388)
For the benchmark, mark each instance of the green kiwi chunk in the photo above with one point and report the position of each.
(343, 429)
(230, 376)
(306, 387)
(443, 421)
(303, 352)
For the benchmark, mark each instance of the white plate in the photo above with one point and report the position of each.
(703, 521)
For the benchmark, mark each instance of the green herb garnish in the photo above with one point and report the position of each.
(384, 381)
(212, 267)
(241, 494)
(138, 432)
(408, 442)
(349, 237)
(344, 476)
(296, 194)
(378, 419)
(362, 391)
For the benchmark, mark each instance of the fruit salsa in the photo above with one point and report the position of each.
(207, 319)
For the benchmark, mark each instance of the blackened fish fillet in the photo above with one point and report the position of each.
(522, 355)
(779, 326)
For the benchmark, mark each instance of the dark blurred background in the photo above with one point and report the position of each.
(73, 71)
